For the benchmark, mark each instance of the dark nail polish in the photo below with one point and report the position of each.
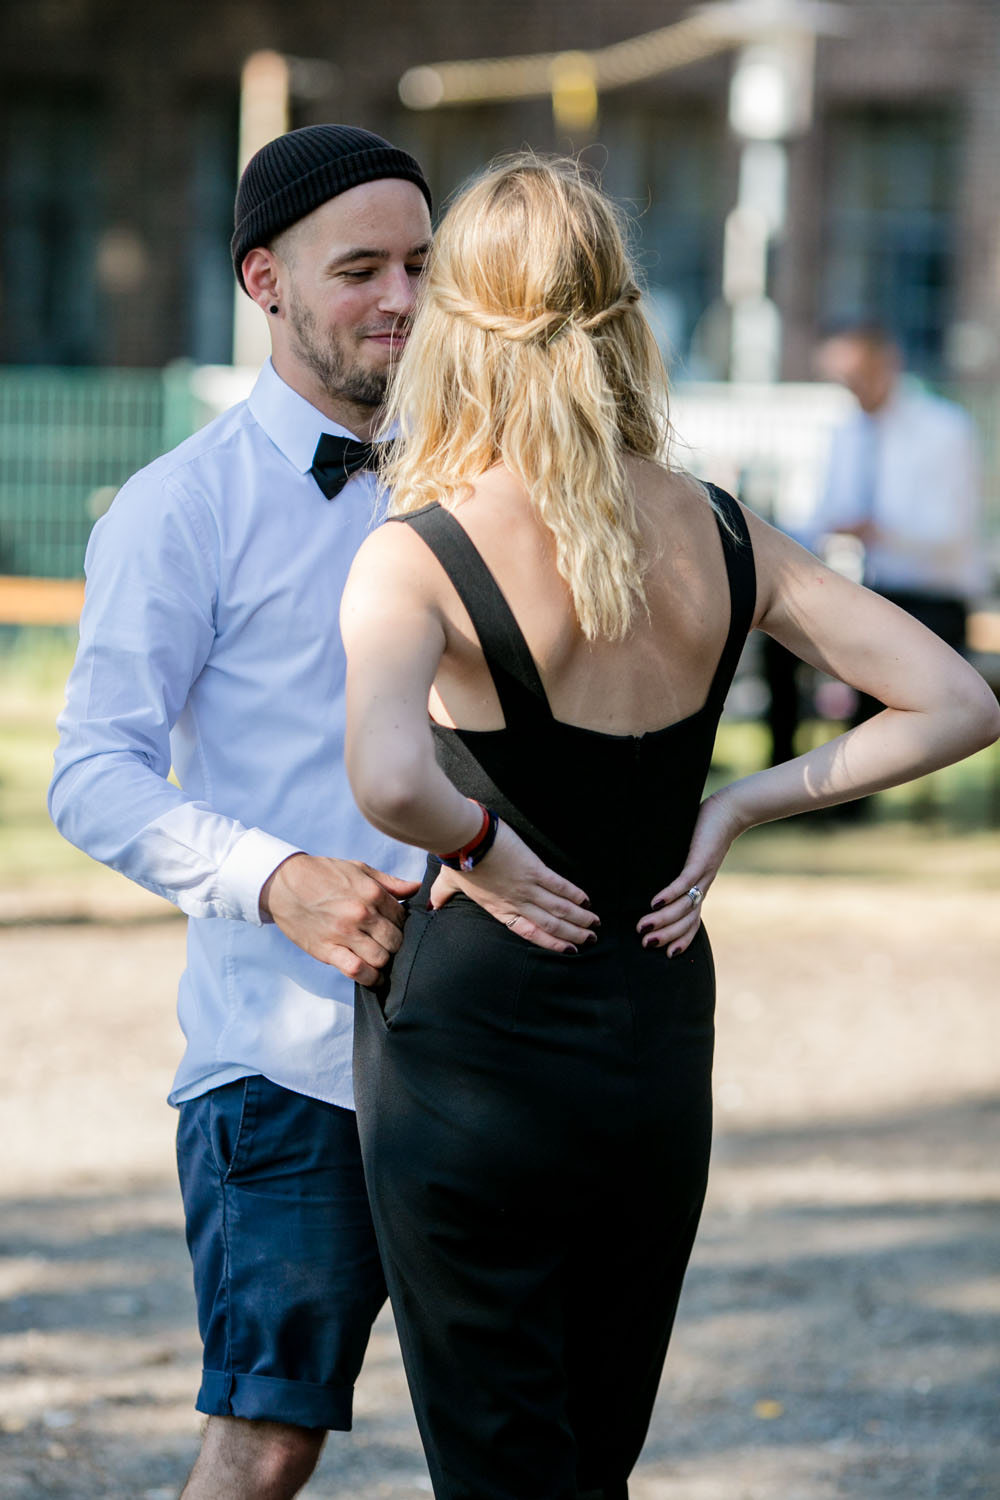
(657, 903)
(569, 948)
(651, 942)
(591, 937)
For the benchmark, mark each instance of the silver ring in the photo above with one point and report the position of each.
(694, 895)
(511, 920)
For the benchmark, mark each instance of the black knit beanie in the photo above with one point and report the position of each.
(295, 173)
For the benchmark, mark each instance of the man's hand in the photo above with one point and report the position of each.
(338, 910)
(517, 888)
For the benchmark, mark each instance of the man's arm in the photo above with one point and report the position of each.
(147, 629)
(145, 634)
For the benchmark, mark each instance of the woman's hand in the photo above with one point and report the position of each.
(518, 889)
(676, 915)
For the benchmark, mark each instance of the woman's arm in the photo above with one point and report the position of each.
(395, 634)
(938, 710)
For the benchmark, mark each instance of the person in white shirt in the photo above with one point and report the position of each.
(904, 479)
(209, 642)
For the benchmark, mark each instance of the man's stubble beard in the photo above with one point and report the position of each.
(340, 380)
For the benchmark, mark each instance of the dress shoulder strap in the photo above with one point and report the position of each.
(512, 667)
(505, 651)
(742, 576)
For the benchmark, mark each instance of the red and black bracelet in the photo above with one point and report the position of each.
(468, 857)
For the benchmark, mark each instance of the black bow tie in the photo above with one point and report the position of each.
(337, 458)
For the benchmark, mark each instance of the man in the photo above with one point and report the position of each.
(210, 640)
(904, 479)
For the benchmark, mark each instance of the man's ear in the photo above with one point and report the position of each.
(260, 277)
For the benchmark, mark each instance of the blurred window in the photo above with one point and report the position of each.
(50, 220)
(209, 286)
(891, 226)
(665, 170)
(453, 145)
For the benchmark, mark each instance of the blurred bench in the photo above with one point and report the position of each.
(40, 601)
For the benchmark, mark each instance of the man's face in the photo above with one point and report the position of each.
(867, 370)
(349, 272)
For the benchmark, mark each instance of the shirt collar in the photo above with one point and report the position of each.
(291, 422)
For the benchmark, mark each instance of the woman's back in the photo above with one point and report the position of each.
(595, 752)
(660, 674)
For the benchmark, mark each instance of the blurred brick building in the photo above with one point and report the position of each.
(118, 147)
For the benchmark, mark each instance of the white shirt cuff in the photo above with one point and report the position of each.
(243, 872)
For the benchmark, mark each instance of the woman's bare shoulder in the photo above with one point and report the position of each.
(392, 541)
(676, 512)
(394, 559)
(675, 489)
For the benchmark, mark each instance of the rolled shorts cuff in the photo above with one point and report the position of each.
(264, 1399)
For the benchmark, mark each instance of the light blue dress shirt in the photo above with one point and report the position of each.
(210, 641)
(913, 469)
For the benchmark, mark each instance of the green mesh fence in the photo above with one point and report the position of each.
(68, 440)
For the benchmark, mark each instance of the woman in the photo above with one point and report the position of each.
(536, 1119)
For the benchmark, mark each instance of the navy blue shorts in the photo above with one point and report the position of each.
(286, 1269)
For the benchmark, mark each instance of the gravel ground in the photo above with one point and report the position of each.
(838, 1330)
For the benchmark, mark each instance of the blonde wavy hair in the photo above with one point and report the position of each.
(529, 348)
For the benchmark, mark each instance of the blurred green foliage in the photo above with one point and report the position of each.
(34, 664)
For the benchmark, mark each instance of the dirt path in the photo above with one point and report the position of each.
(838, 1332)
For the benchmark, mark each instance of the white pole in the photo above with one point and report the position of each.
(263, 115)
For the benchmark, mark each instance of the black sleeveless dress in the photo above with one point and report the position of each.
(536, 1126)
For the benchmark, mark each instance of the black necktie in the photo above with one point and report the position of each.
(337, 458)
